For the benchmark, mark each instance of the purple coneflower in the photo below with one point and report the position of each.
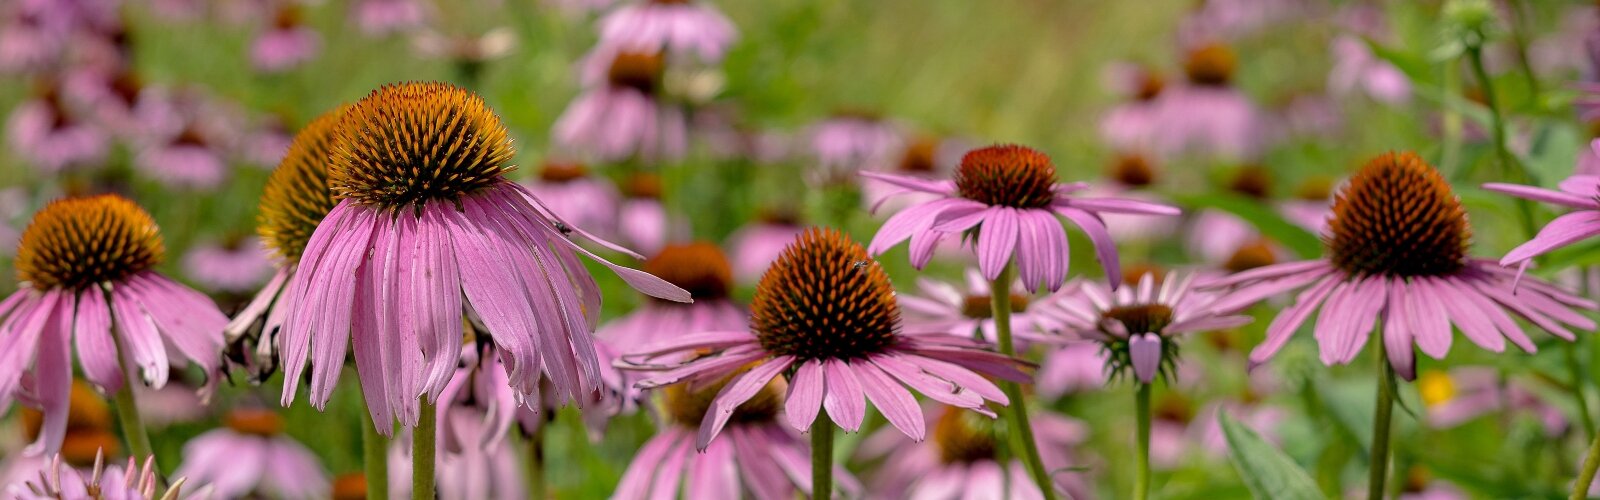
(926, 157)
(188, 160)
(758, 243)
(251, 456)
(759, 458)
(110, 482)
(237, 265)
(429, 227)
(964, 311)
(1129, 176)
(678, 27)
(850, 142)
(703, 270)
(384, 17)
(1397, 259)
(581, 199)
(622, 117)
(826, 310)
(50, 137)
(33, 34)
(1131, 126)
(1356, 68)
(642, 220)
(1072, 368)
(1010, 193)
(962, 459)
(1207, 116)
(287, 43)
(88, 285)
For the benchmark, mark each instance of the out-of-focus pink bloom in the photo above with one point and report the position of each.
(642, 221)
(1356, 69)
(187, 161)
(33, 34)
(1215, 235)
(235, 266)
(252, 456)
(1310, 206)
(757, 244)
(1075, 367)
(385, 17)
(266, 144)
(1419, 484)
(960, 459)
(175, 403)
(1312, 116)
(580, 6)
(927, 157)
(965, 311)
(1588, 160)
(484, 47)
(678, 27)
(1010, 194)
(621, 117)
(577, 197)
(1131, 125)
(46, 134)
(1138, 326)
(1133, 227)
(119, 103)
(851, 142)
(699, 268)
(285, 45)
(1206, 116)
(1236, 19)
(1559, 51)
(1463, 394)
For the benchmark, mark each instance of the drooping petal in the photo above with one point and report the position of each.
(804, 399)
(1564, 230)
(891, 399)
(97, 351)
(997, 239)
(1145, 350)
(1542, 195)
(740, 389)
(1104, 248)
(52, 384)
(844, 400)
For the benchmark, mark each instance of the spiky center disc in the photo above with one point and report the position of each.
(980, 306)
(1252, 181)
(1210, 65)
(1132, 170)
(254, 422)
(1251, 255)
(1007, 175)
(688, 407)
(1397, 217)
(562, 171)
(642, 186)
(297, 197)
(921, 156)
(410, 143)
(636, 70)
(1141, 318)
(76, 242)
(963, 436)
(700, 268)
(824, 298)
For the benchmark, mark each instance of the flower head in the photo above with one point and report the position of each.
(251, 455)
(430, 229)
(86, 267)
(826, 310)
(1008, 194)
(966, 310)
(680, 27)
(1137, 327)
(1396, 257)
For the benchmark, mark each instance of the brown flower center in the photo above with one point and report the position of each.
(77, 242)
(921, 156)
(1132, 170)
(1251, 255)
(778, 216)
(980, 307)
(963, 436)
(688, 407)
(410, 143)
(1397, 217)
(824, 298)
(254, 422)
(1252, 181)
(1173, 407)
(701, 268)
(1007, 175)
(79, 448)
(1150, 85)
(636, 70)
(1141, 318)
(1210, 65)
(297, 197)
(352, 486)
(562, 171)
(642, 186)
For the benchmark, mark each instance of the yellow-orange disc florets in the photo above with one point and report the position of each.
(296, 197)
(636, 70)
(77, 242)
(824, 298)
(1397, 217)
(1007, 175)
(701, 268)
(412, 143)
(1210, 65)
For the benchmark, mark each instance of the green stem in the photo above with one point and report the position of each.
(1141, 485)
(128, 408)
(537, 490)
(822, 456)
(1591, 462)
(1378, 464)
(374, 456)
(1019, 431)
(422, 449)
(1576, 371)
(1508, 165)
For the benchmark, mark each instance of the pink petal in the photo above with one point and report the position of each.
(805, 395)
(891, 399)
(1542, 195)
(1145, 350)
(1564, 230)
(1104, 248)
(996, 241)
(740, 389)
(97, 351)
(844, 400)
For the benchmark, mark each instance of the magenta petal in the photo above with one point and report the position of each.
(1474, 323)
(430, 283)
(1426, 316)
(805, 395)
(1401, 357)
(844, 400)
(1543, 195)
(1123, 206)
(1290, 319)
(635, 483)
(996, 241)
(294, 339)
(912, 183)
(53, 378)
(19, 337)
(1104, 248)
(140, 338)
(1564, 230)
(1145, 349)
(891, 399)
(371, 332)
(740, 389)
(97, 351)
(934, 388)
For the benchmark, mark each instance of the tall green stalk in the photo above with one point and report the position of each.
(1018, 431)
(374, 456)
(822, 456)
(128, 417)
(1591, 462)
(1141, 485)
(422, 453)
(1378, 464)
(1508, 164)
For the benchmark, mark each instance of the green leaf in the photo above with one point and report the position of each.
(1266, 471)
(1295, 238)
